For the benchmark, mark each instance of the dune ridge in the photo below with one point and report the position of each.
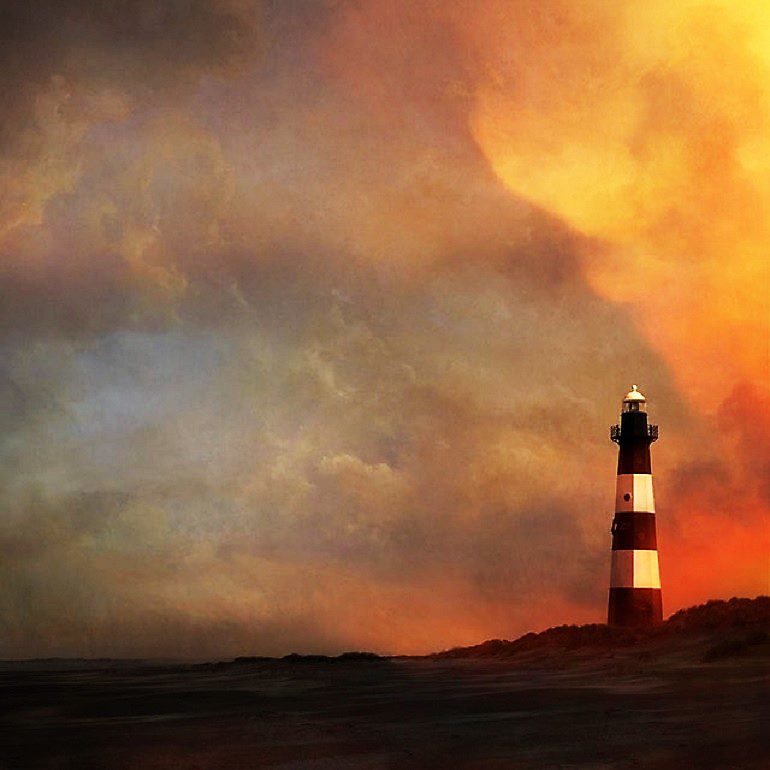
(723, 628)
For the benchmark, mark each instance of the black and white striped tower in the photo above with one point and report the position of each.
(635, 598)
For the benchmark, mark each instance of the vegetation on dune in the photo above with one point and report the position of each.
(745, 623)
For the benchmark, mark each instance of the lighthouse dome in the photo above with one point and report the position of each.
(634, 400)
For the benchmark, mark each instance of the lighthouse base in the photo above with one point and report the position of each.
(635, 607)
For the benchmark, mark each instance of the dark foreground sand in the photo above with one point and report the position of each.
(626, 709)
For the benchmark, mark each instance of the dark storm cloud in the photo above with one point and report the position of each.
(130, 42)
(162, 149)
(67, 69)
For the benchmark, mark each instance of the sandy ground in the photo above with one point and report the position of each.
(611, 713)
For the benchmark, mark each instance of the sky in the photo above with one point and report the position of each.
(314, 316)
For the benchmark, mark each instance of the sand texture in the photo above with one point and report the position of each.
(619, 710)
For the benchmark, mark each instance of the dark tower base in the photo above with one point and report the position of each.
(635, 607)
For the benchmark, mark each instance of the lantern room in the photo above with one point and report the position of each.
(634, 401)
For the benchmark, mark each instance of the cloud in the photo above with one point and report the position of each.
(284, 349)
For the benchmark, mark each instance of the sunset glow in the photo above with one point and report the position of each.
(315, 318)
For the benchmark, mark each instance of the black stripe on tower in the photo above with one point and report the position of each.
(634, 530)
(635, 439)
(635, 607)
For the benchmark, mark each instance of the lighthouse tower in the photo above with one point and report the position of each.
(635, 598)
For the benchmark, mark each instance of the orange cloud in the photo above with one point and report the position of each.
(644, 126)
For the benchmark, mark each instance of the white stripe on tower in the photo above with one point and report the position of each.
(633, 492)
(635, 569)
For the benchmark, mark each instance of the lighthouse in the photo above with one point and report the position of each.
(635, 597)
